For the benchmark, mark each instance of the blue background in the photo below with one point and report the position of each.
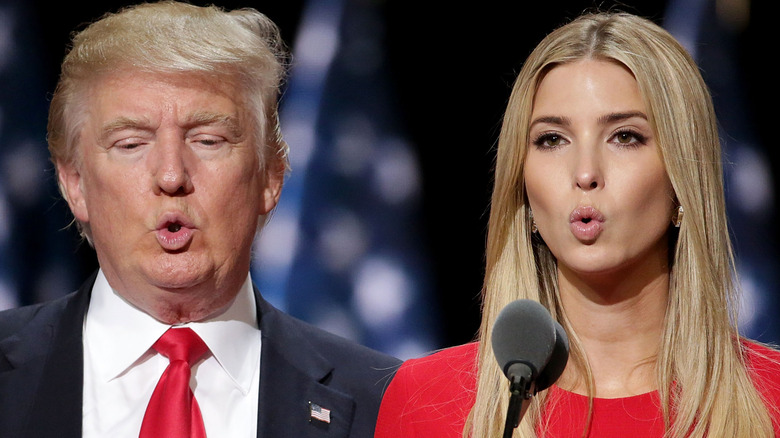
(392, 111)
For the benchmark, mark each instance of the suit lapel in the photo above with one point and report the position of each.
(294, 374)
(43, 371)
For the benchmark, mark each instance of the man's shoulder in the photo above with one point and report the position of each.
(15, 319)
(49, 313)
(334, 346)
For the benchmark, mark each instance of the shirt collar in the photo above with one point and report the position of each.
(124, 334)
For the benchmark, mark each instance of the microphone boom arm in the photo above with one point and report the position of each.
(520, 391)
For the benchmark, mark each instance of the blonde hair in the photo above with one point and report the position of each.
(243, 46)
(712, 393)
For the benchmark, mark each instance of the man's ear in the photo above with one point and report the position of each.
(71, 186)
(274, 179)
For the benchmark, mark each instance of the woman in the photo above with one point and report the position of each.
(608, 208)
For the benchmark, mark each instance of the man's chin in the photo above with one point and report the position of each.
(144, 272)
(179, 284)
(179, 279)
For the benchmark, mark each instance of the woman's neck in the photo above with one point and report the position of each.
(619, 319)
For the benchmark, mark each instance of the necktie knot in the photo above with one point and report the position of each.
(173, 411)
(181, 344)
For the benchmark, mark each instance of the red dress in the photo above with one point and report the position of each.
(430, 397)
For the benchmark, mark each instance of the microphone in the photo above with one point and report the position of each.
(532, 350)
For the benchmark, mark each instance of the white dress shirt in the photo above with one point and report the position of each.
(121, 369)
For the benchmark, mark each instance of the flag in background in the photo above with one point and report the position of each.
(337, 110)
(8, 296)
(710, 31)
(36, 258)
(343, 249)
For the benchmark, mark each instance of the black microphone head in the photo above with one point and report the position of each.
(524, 332)
(557, 362)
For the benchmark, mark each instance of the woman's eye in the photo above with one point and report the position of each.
(629, 138)
(549, 140)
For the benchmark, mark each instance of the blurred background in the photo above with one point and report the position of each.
(392, 112)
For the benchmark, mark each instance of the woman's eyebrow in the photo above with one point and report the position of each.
(617, 117)
(553, 120)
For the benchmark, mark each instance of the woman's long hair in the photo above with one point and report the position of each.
(707, 390)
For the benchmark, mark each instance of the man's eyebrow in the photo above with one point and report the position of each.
(200, 118)
(121, 123)
(206, 118)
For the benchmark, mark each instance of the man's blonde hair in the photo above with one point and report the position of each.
(243, 46)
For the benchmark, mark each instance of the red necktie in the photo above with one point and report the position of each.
(173, 412)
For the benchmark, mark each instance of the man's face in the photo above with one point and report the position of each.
(169, 183)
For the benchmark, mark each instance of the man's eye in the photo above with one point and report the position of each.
(209, 142)
(128, 145)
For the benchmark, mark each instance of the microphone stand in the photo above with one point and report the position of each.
(520, 391)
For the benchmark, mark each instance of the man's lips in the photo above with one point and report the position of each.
(586, 223)
(174, 231)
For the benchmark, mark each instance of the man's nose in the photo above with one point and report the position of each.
(171, 164)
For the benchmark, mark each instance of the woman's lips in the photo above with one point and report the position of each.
(174, 231)
(586, 223)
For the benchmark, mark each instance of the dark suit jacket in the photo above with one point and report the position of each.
(41, 374)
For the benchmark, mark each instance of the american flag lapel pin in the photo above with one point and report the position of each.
(318, 413)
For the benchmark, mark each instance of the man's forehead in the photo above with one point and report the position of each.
(129, 83)
(121, 100)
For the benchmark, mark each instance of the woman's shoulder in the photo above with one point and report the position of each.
(430, 395)
(449, 367)
(763, 364)
(461, 357)
(762, 357)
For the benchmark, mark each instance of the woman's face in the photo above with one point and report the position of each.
(595, 181)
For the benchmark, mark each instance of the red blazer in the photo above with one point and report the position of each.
(430, 397)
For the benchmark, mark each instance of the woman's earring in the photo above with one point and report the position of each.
(534, 228)
(677, 217)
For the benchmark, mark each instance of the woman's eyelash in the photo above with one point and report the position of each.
(548, 140)
(623, 138)
(635, 137)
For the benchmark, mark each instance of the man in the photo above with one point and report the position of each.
(164, 133)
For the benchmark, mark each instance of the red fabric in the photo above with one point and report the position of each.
(173, 411)
(431, 397)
